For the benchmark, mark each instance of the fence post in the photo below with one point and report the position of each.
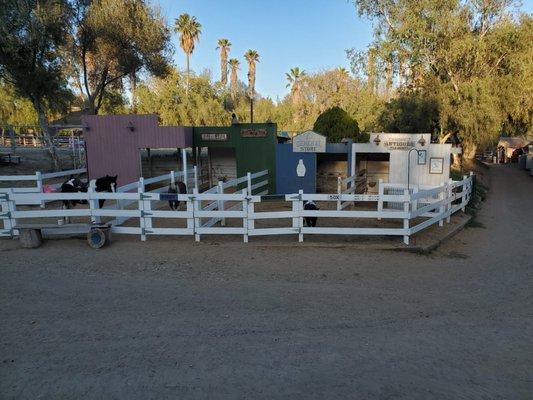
(196, 176)
(442, 208)
(172, 178)
(249, 180)
(339, 192)
(406, 210)
(414, 204)
(147, 211)
(300, 218)
(381, 191)
(197, 220)
(140, 191)
(449, 200)
(9, 206)
(39, 180)
(245, 202)
(251, 211)
(190, 211)
(220, 203)
(93, 203)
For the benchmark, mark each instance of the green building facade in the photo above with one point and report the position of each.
(240, 147)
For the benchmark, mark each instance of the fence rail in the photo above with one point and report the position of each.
(241, 204)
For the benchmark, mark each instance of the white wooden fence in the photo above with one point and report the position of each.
(422, 208)
(40, 180)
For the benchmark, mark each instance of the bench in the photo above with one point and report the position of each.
(31, 235)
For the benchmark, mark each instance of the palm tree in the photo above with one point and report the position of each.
(294, 77)
(224, 46)
(252, 57)
(234, 65)
(189, 30)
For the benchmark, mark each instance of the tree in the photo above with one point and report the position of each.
(189, 30)
(113, 40)
(336, 124)
(224, 46)
(252, 57)
(473, 57)
(15, 109)
(410, 112)
(31, 36)
(294, 78)
(234, 81)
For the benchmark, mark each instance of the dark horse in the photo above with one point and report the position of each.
(311, 206)
(177, 188)
(74, 185)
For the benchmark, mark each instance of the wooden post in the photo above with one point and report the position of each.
(93, 203)
(442, 208)
(406, 210)
(197, 221)
(190, 210)
(339, 192)
(249, 181)
(172, 178)
(300, 218)
(8, 206)
(184, 161)
(220, 203)
(251, 211)
(142, 225)
(196, 177)
(245, 218)
(414, 204)
(449, 200)
(381, 191)
(39, 180)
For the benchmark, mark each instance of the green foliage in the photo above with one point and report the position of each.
(336, 124)
(473, 58)
(115, 39)
(410, 113)
(14, 109)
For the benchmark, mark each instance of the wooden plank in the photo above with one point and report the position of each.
(354, 214)
(356, 231)
(272, 215)
(273, 231)
(220, 231)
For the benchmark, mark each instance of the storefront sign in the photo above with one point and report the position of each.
(215, 137)
(309, 142)
(253, 132)
(399, 143)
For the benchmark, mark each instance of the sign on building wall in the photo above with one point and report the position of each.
(309, 142)
(253, 132)
(399, 143)
(215, 137)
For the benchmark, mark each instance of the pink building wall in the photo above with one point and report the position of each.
(112, 148)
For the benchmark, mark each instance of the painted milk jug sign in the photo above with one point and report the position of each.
(309, 142)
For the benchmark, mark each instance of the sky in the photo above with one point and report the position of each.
(310, 34)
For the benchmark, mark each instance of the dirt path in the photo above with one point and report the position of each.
(167, 320)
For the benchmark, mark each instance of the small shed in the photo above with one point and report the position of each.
(402, 157)
(509, 145)
(311, 164)
(227, 152)
(115, 144)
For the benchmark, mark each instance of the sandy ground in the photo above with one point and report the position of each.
(223, 320)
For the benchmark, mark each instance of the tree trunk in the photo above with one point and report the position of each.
(469, 150)
(188, 72)
(133, 88)
(43, 124)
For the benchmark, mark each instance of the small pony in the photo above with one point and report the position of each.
(75, 185)
(176, 188)
(310, 221)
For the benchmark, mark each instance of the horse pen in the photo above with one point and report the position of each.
(240, 207)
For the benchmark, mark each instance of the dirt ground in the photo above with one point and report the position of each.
(173, 319)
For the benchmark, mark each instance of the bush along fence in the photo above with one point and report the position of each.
(205, 213)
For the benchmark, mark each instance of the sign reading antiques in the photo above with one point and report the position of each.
(253, 132)
(400, 143)
(309, 142)
(215, 137)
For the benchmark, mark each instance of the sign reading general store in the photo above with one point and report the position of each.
(215, 137)
(253, 132)
(309, 142)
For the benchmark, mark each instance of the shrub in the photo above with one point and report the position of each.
(336, 124)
